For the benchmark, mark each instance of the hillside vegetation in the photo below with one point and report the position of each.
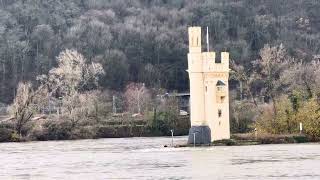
(79, 61)
(146, 40)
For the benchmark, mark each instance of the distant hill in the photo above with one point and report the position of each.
(146, 40)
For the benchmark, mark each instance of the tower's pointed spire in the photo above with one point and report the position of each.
(208, 47)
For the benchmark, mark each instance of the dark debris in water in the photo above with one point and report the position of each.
(252, 161)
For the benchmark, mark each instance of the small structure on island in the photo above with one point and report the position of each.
(209, 94)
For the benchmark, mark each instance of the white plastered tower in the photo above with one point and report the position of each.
(209, 95)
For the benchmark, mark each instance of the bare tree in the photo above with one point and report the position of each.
(245, 80)
(80, 107)
(24, 107)
(303, 77)
(137, 97)
(73, 74)
(268, 69)
(70, 82)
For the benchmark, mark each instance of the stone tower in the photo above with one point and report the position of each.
(209, 95)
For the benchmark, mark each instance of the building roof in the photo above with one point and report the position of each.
(175, 94)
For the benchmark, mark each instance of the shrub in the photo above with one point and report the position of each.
(39, 134)
(163, 123)
(227, 142)
(282, 120)
(105, 132)
(58, 130)
(84, 132)
(309, 115)
(300, 139)
(242, 116)
(5, 134)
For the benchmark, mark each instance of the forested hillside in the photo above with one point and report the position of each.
(146, 40)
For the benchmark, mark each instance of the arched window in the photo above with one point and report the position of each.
(220, 85)
(219, 112)
(220, 91)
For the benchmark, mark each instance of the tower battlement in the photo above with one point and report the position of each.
(210, 64)
(207, 62)
(199, 61)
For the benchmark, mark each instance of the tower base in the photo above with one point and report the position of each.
(199, 134)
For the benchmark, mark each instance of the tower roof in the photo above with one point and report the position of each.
(220, 83)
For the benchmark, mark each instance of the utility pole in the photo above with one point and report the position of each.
(194, 139)
(208, 47)
(114, 108)
(171, 137)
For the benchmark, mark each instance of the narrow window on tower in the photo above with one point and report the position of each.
(219, 113)
(197, 42)
(206, 88)
(222, 99)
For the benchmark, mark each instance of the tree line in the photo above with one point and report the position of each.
(78, 55)
(69, 104)
(145, 40)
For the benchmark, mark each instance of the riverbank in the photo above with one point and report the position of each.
(247, 139)
(46, 129)
(251, 139)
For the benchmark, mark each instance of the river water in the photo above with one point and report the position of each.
(146, 158)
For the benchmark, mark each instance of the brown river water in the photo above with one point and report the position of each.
(146, 158)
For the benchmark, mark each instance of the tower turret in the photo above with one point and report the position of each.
(194, 39)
